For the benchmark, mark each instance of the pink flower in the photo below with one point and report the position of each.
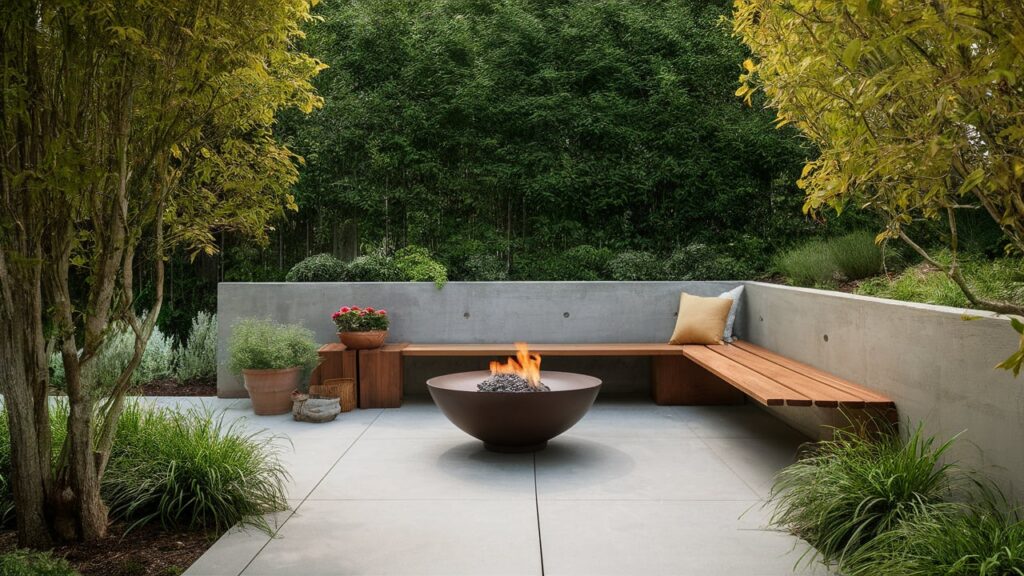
(345, 310)
(370, 309)
(362, 312)
(335, 315)
(382, 312)
(355, 307)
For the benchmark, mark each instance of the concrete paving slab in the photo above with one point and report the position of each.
(414, 538)
(433, 468)
(417, 418)
(756, 460)
(578, 468)
(233, 551)
(632, 419)
(617, 538)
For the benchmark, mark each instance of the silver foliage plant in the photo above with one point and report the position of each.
(196, 358)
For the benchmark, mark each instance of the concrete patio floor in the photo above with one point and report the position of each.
(633, 489)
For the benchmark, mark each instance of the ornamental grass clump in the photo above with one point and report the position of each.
(356, 319)
(808, 265)
(974, 541)
(848, 490)
(856, 255)
(189, 469)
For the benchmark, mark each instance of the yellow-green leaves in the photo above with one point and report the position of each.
(915, 107)
(1016, 360)
(972, 180)
(745, 90)
(851, 54)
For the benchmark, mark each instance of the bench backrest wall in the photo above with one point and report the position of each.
(468, 312)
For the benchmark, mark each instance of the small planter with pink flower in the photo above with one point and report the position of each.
(361, 328)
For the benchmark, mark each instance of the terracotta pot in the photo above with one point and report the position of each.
(363, 340)
(271, 390)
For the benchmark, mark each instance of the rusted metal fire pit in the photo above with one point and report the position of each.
(514, 421)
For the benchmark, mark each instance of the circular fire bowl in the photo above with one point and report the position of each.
(514, 421)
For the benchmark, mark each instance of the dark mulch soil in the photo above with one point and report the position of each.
(172, 387)
(145, 551)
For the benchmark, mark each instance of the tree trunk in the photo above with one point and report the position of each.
(23, 381)
(82, 514)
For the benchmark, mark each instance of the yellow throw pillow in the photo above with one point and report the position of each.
(701, 320)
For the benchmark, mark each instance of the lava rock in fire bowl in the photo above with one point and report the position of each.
(510, 383)
(509, 414)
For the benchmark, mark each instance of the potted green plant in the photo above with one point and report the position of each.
(361, 328)
(272, 359)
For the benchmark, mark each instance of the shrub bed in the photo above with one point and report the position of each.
(409, 264)
(184, 469)
(999, 279)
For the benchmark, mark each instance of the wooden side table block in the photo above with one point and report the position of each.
(678, 381)
(336, 361)
(380, 377)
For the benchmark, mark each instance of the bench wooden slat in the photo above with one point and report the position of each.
(753, 383)
(871, 398)
(820, 392)
(509, 349)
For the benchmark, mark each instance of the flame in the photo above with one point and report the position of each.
(525, 364)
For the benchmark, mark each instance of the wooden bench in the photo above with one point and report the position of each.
(775, 380)
(680, 375)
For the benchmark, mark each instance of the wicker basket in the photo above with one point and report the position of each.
(344, 389)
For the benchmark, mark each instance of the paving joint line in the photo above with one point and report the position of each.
(306, 497)
(536, 507)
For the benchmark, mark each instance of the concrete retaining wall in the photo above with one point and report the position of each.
(937, 366)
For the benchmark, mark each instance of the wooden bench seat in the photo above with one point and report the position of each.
(690, 374)
(775, 380)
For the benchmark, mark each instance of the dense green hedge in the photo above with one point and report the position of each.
(502, 134)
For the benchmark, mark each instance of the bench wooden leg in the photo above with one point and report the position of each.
(678, 381)
(380, 377)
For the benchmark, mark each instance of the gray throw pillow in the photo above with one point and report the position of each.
(733, 295)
